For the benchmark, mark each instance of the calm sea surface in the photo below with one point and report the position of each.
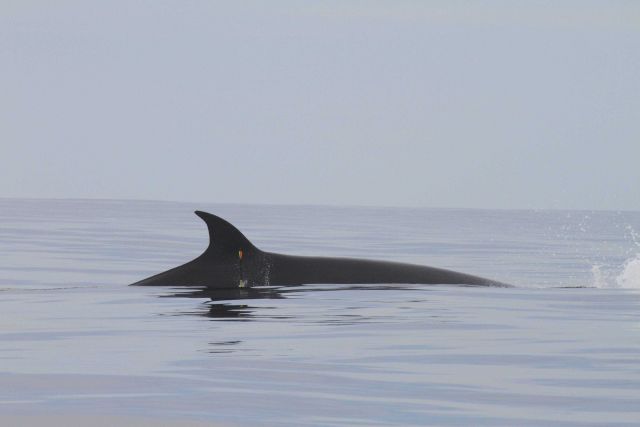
(562, 348)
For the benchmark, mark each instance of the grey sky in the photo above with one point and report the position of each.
(466, 104)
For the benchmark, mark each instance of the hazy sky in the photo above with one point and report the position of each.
(464, 104)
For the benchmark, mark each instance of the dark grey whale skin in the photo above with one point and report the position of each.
(232, 261)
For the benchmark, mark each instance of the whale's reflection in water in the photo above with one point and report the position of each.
(223, 303)
(234, 303)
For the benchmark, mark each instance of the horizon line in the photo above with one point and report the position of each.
(328, 205)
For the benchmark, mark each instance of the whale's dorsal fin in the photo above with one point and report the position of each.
(224, 238)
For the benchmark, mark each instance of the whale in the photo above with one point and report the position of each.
(232, 261)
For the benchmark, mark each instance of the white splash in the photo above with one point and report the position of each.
(627, 277)
(599, 277)
(630, 275)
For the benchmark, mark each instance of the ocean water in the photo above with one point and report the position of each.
(561, 348)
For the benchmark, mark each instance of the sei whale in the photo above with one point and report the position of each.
(232, 261)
